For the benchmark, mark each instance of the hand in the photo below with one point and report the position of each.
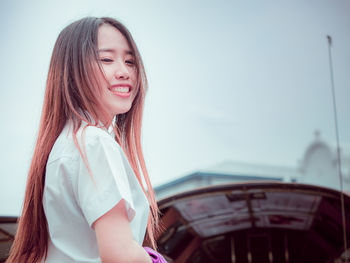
(155, 256)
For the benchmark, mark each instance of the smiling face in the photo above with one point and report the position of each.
(120, 75)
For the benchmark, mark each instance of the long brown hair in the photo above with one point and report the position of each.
(71, 94)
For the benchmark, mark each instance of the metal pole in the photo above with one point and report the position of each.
(338, 147)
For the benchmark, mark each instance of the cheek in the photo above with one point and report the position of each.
(133, 74)
(108, 73)
(101, 76)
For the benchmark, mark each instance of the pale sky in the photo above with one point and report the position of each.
(228, 80)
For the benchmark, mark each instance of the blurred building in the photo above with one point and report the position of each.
(226, 173)
(318, 166)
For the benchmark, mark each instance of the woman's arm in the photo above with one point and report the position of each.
(114, 238)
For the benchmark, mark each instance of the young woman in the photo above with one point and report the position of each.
(85, 200)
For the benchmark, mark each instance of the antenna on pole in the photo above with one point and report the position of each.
(329, 38)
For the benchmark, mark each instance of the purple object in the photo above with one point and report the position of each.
(155, 256)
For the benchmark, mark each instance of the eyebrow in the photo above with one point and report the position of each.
(128, 52)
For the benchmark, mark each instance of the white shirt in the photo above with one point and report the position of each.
(74, 199)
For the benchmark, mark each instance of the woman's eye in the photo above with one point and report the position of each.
(130, 62)
(106, 60)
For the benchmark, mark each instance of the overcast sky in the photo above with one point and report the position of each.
(228, 80)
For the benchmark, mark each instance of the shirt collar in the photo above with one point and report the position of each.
(100, 125)
(110, 129)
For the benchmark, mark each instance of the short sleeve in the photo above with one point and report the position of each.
(107, 184)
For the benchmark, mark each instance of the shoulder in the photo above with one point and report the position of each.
(68, 145)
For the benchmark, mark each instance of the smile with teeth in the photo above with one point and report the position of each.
(119, 89)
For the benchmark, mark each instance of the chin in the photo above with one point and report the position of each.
(122, 110)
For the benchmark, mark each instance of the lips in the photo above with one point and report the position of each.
(122, 90)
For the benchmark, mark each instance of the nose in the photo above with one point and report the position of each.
(121, 70)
